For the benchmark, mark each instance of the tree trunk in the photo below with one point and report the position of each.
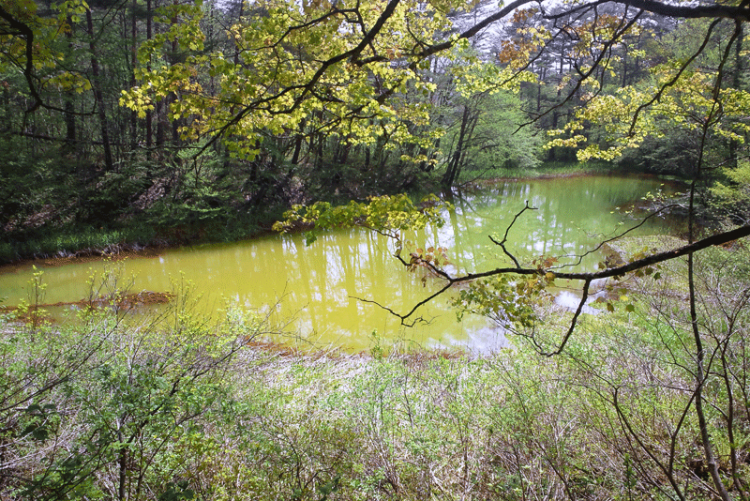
(70, 126)
(454, 165)
(133, 62)
(173, 97)
(98, 95)
(70, 118)
(149, 130)
(298, 143)
(733, 144)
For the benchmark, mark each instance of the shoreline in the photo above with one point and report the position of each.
(118, 252)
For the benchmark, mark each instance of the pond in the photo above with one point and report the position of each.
(318, 289)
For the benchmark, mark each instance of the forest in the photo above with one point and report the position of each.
(132, 125)
(148, 123)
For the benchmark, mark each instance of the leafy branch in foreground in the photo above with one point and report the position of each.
(391, 216)
(387, 215)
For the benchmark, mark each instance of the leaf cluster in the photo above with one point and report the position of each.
(388, 215)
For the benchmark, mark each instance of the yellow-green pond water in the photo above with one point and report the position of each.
(316, 287)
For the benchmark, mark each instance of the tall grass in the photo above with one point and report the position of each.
(87, 240)
(179, 407)
(546, 169)
(60, 243)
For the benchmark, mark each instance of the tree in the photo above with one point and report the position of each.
(689, 96)
(340, 74)
(353, 61)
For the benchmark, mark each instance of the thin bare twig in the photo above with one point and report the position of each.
(505, 237)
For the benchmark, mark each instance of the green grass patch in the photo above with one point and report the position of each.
(546, 169)
(132, 235)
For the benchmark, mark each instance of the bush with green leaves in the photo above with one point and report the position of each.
(116, 406)
(732, 194)
(174, 406)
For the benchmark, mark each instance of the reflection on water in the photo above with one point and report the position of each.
(318, 285)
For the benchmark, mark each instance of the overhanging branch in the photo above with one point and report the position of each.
(24, 31)
(587, 278)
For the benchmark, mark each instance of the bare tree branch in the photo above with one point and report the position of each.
(505, 237)
(587, 278)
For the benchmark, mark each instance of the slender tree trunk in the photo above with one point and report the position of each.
(700, 373)
(175, 123)
(738, 60)
(98, 95)
(454, 165)
(542, 76)
(7, 126)
(70, 125)
(149, 130)
(297, 149)
(70, 118)
(133, 62)
(123, 465)
(473, 121)
(733, 144)
(159, 124)
(342, 151)
(160, 119)
(237, 47)
(319, 151)
(298, 142)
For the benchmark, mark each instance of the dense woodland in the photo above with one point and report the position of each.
(150, 122)
(159, 122)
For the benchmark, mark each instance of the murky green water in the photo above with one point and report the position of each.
(316, 287)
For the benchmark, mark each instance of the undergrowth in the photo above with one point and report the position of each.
(175, 406)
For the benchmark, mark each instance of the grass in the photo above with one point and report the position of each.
(70, 241)
(88, 240)
(237, 421)
(546, 169)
